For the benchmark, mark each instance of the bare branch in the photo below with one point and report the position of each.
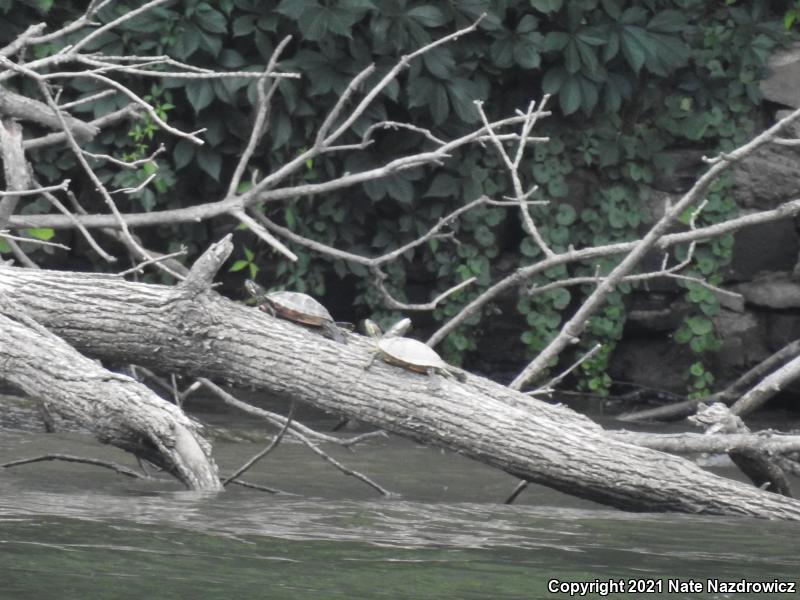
(140, 267)
(512, 166)
(294, 430)
(524, 274)
(391, 302)
(265, 235)
(99, 123)
(262, 116)
(550, 385)
(24, 108)
(63, 186)
(127, 16)
(4, 233)
(276, 440)
(20, 255)
(572, 330)
(76, 150)
(767, 388)
(107, 464)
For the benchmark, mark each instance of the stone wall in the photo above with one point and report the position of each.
(764, 268)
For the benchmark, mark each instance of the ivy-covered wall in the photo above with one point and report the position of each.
(631, 82)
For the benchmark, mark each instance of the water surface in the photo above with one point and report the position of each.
(72, 531)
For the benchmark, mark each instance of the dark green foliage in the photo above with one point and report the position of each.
(629, 79)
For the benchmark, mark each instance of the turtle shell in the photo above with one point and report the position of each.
(409, 353)
(298, 307)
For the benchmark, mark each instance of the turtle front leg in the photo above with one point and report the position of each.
(451, 374)
(373, 356)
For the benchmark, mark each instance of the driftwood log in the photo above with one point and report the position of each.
(116, 408)
(193, 330)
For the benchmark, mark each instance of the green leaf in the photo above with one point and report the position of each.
(439, 62)
(566, 215)
(210, 19)
(556, 40)
(527, 24)
(231, 59)
(526, 51)
(294, 8)
(238, 266)
(502, 52)
(698, 345)
(632, 49)
(546, 6)
(683, 335)
(443, 185)
(440, 106)
(668, 21)
(187, 42)
(569, 96)
(561, 298)
(210, 162)
(700, 325)
(428, 15)
(200, 93)
(697, 369)
(554, 79)
(244, 25)
(183, 153)
(44, 233)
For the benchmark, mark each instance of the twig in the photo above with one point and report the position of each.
(20, 255)
(321, 248)
(76, 150)
(63, 186)
(279, 421)
(512, 166)
(265, 235)
(4, 233)
(262, 116)
(122, 470)
(728, 395)
(140, 267)
(521, 487)
(555, 380)
(524, 274)
(391, 302)
(254, 486)
(228, 399)
(276, 440)
(767, 388)
(572, 330)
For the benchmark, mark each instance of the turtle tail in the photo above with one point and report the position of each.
(330, 330)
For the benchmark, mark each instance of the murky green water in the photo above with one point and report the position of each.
(70, 531)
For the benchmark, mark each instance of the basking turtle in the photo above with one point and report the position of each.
(408, 353)
(297, 307)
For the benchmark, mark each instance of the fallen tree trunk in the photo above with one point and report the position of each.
(202, 334)
(116, 408)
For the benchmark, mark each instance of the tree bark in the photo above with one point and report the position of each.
(195, 331)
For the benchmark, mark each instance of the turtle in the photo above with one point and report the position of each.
(408, 353)
(297, 307)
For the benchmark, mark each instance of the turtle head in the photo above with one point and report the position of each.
(255, 290)
(372, 329)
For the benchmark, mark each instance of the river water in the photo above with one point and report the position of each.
(72, 531)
